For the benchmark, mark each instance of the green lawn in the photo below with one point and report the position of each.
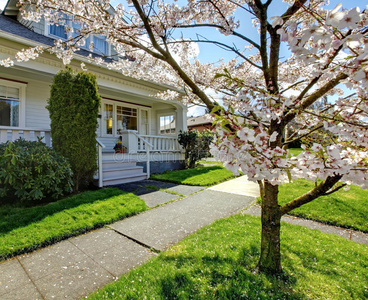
(218, 262)
(295, 151)
(23, 229)
(203, 176)
(344, 208)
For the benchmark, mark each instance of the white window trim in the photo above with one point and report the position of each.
(169, 113)
(114, 124)
(90, 37)
(22, 100)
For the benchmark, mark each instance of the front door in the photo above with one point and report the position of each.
(117, 117)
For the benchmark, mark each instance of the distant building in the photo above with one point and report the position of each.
(200, 123)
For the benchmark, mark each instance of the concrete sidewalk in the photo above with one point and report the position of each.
(76, 267)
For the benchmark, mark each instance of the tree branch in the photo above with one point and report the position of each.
(314, 97)
(320, 190)
(234, 33)
(304, 135)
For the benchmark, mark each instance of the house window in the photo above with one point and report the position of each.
(11, 104)
(58, 30)
(127, 118)
(167, 124)
(100, 45)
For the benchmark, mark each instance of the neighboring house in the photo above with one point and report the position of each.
(200, 123)
(127, 108)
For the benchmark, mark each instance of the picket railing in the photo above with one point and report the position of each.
(160, 143)
(29, 134)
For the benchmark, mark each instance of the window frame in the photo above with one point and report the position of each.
(22, 100)
(116, 103)
(172, 113)
(69, 22)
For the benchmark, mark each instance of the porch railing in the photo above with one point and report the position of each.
(100, 146)
(160, 143)
(29, 134)
(147, 146)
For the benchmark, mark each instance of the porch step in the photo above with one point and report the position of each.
(124, 179)
(113, 164)
(122, 171)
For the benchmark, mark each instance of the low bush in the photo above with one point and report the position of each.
(33, 171)
(196, 146)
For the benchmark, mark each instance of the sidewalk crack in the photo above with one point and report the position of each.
(38, 290)
(135, 240)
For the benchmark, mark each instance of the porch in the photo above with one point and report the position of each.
(145, 154)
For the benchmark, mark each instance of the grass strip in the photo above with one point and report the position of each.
(218, 262)
(24, 229)
(347, 209)
(202, 176)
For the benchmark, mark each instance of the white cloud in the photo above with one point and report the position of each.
(195, 111)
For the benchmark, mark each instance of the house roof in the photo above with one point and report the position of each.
(12, 26)
(201, 120)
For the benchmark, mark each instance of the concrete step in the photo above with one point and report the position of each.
(115, 156)
(124, 179)
(119, 172)
(114, 164)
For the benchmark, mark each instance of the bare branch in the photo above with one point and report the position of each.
(234, 33)
(304, 135)
(335, 189)
(320, 190)
(290, 115)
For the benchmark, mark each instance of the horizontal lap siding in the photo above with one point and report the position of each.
(37, 116)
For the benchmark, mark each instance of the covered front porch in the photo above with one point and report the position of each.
(147, 126)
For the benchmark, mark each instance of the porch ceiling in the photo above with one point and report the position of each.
(125, 96)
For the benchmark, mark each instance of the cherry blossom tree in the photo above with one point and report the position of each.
(268, 98)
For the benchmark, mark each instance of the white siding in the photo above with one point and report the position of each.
(38, 27)
(37, 116)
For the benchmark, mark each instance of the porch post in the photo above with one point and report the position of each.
(130, 140)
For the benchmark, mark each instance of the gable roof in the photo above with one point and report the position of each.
(12, 26)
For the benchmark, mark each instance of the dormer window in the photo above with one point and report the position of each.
(58, 30)
(101, 46)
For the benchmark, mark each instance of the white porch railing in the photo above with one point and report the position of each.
(29, 134)
(100, 146)
(160, 143)
(147, 146)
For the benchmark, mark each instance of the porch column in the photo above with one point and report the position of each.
(130, 141)
(181, 115)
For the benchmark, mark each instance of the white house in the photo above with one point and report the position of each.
(148, 126)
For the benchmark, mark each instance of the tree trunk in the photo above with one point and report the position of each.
(270, 258)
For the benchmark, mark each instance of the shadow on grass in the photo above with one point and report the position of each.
(20, 215)
(223, 277)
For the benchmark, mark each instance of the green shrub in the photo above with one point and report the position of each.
(73, 105)
(33, 171)
(196, 145)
